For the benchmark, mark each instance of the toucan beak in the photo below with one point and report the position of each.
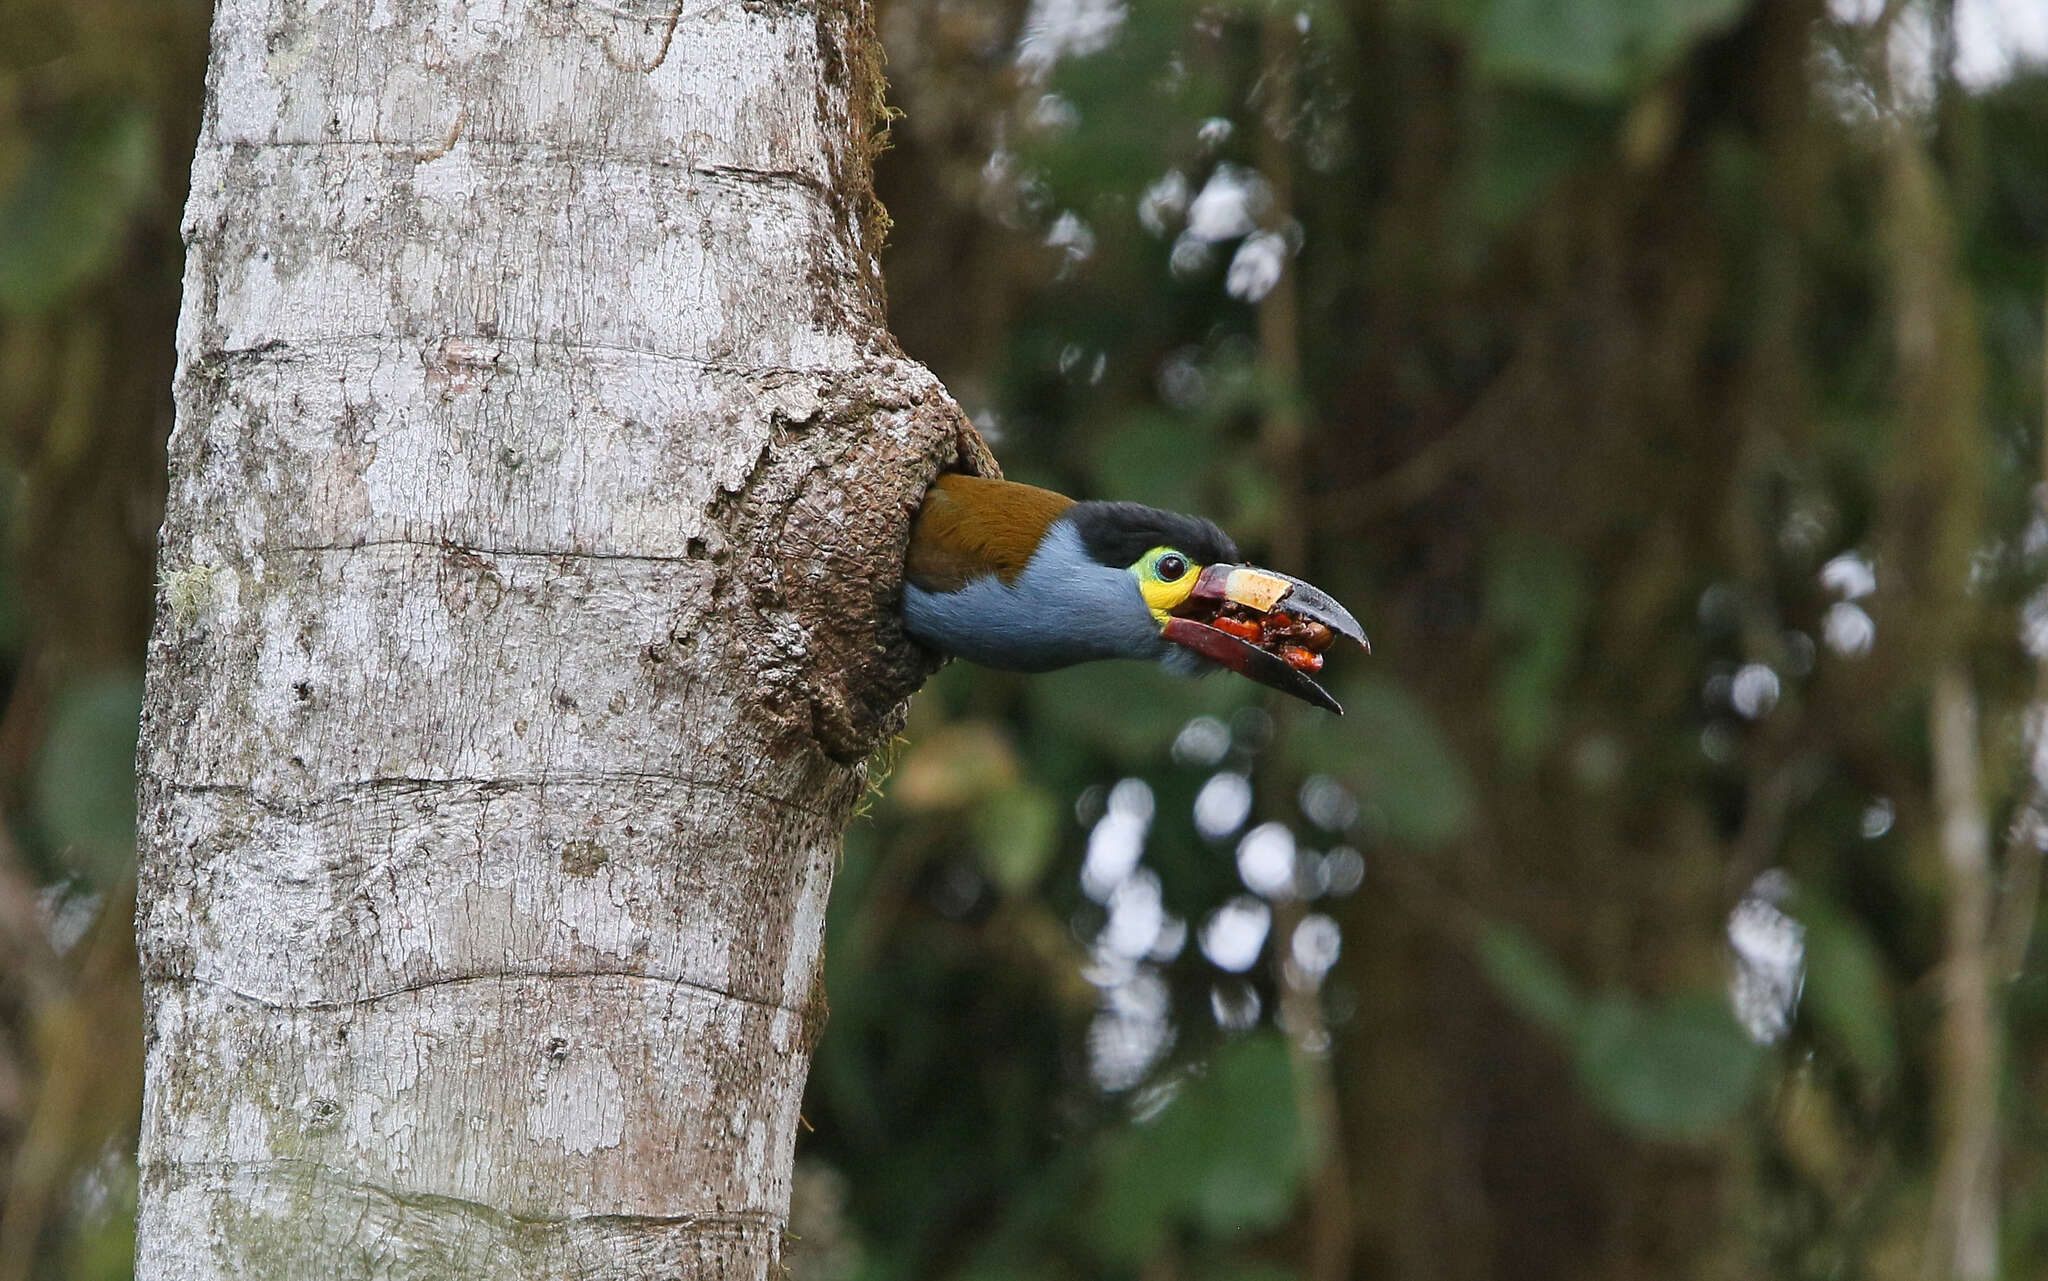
(1269, 627)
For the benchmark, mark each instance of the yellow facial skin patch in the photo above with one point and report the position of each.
(1162, 597)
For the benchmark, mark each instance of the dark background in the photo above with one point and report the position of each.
(1660, 382)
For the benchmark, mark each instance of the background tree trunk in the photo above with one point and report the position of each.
(538, 489)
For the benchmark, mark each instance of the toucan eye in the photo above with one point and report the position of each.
(1170, 567)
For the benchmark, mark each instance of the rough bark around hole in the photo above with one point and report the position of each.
(829, 525)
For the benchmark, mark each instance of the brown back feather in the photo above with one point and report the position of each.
(970, 527)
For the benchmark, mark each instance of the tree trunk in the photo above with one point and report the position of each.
(539, 487)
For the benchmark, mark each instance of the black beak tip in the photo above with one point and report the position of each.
(1319, 606)
(1278, 675)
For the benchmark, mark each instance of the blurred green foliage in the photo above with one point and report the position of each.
(84, 791)
(1598, 50)
(1677, 1069)
(99, 103)
(1584, 379)
(1847, 994)
(1219, 1159)
(71, 202)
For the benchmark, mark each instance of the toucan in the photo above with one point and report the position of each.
(1020, 578)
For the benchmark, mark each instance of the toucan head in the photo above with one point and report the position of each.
(1021, 578)
(1208, 607)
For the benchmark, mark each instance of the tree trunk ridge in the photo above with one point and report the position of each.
(540, 479)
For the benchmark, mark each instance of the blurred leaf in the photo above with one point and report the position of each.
(85, 778)
(1400, 759)
(1589, 48)
(1528, 978)
(1041, 1208)
(1676, 1070)
(1128, 710)
(105, 1250)
(1523, 143)
(1846, 993)
(1129, 109)
(1418, 780)
(63, 218)
(955, 765)
(1254, 498)
(37, 32)
(1157, 459)
(1018, 830)
(1535, 600)
(1225, 1156)
(1673, 1070)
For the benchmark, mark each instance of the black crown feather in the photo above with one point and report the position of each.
(1119, 533)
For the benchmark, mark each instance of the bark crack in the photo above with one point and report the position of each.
(494, 784)
(749, 173)
(320, 1171)
(668, 34)
(486, 553)
(458, 980)
(210, 362)
(432, 148)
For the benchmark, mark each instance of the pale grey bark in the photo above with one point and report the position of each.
(539, 487)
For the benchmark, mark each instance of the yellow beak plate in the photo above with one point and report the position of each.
(1255, 588)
